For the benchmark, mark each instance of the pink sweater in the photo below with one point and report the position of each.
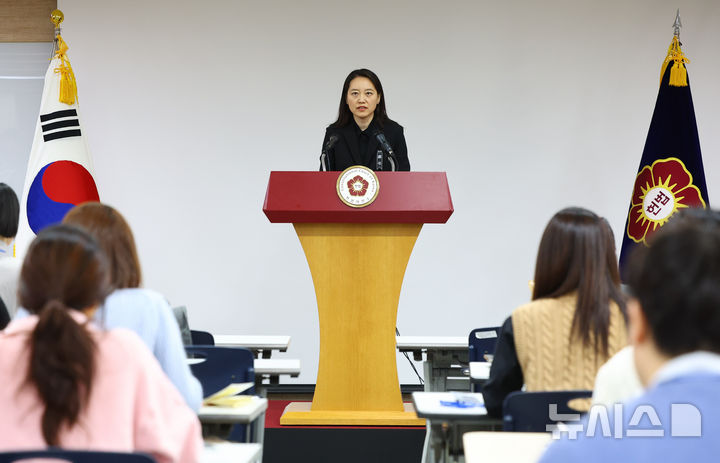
(132, 407)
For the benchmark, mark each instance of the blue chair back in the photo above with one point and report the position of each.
(202, 338)
(481, 342)
(221, 366)
(76, 456)
(530, 411)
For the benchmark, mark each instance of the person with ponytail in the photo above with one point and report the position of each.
(576, 320)
(69, 384)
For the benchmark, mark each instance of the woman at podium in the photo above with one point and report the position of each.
(363, 134)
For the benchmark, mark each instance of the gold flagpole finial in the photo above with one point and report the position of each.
(56, 17)
(68, 88)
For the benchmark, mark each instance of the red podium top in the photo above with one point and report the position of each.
(404, 197)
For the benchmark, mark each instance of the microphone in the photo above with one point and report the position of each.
(387, 148)
(324, 155)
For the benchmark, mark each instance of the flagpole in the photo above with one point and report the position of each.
(56, 17)
(671, 175)
(677, 24)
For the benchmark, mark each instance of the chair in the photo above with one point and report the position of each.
(481, 347)
(76, 456)
(216, 367)
(201, 338)
(481, 343)
(219, 366)
(530, 411)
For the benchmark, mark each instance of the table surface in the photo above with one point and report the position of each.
(480, 371)
(252, 341)
(223, 452)
(449, 406)
(432, 342)
(277, 366)
(244, 414)
(266, 366)
(517, 447)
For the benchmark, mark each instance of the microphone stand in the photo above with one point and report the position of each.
(387, 148)
(323, 161)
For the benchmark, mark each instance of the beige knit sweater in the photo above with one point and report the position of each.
(548, 359)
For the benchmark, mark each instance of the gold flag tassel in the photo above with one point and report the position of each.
(68, 88)
(678, 72)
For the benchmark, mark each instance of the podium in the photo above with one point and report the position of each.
(357, 258)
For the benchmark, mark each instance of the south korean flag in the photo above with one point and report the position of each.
(60, 169)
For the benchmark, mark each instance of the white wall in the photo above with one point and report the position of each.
(529, 107)
(22, 70)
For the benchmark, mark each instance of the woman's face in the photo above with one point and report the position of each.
(362, 98)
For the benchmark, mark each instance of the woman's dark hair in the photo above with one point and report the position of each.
(345, 116)
(577, 253)
(64, 270)
(677, 281)
(113, 233)
(9, 212)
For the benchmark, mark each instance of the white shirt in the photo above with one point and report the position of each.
(9, 274)
(617, 380)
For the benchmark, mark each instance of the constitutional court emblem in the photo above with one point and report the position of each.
(358, 186)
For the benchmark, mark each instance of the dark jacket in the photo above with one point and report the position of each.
(506, 376)
(346, 151)
(4, 315)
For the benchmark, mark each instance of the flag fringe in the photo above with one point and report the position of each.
(678, 72)
(68, 87)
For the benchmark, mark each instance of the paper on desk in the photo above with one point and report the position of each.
(460, 400)
(228, 396)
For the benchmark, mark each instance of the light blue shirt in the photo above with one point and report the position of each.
(148, 314)
(676, 420)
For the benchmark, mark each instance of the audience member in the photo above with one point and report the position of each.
(9, 265)
(675, 330)
(576, 319)
(141, 310)
(617, 380)
(68, 384)
(4, 315)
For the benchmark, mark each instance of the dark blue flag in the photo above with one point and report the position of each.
(671, 175)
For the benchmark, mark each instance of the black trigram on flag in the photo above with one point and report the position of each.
(60, 124)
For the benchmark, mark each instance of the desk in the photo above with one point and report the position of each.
(517, 447)
(271, 370)
(252, 414)
(446, 424)
(223, 452)
(261, 346)
(479, 371)
(446, 359)
(267, 369)
(479, 374)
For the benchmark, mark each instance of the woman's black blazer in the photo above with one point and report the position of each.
(345, 151)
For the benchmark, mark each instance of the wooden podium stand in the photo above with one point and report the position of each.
(357, 259)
